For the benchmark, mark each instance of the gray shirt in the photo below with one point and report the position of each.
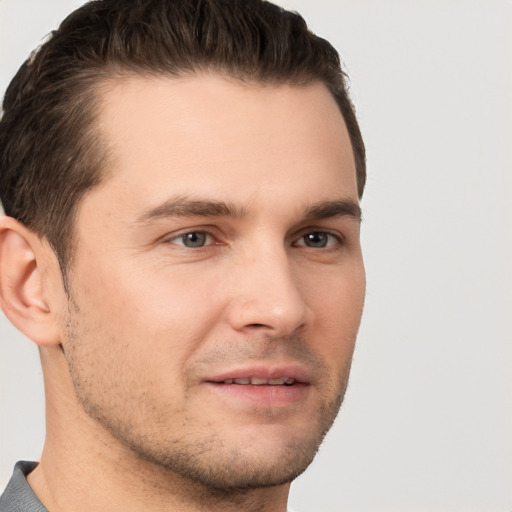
(18, 495)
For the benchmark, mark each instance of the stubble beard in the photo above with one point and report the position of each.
(221, 469)
(208, 461)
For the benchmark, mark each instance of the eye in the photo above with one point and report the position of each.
(193, 239)
(318, 240)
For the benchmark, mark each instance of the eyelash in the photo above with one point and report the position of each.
(336, 238)
(182, 237)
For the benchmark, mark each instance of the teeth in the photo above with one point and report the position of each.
(256, 381)
(277, 382)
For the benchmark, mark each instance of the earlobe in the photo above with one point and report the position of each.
(21, 288)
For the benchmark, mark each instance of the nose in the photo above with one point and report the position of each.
(267, 295)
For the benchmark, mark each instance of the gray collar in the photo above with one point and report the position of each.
(18, 495)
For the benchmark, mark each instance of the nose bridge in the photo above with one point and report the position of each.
(268, 293)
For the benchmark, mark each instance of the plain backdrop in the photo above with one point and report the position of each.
(427, 422)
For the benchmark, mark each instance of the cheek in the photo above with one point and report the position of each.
(338, 308)
(160, 315)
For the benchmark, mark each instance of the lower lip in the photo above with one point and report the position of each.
(262, 396)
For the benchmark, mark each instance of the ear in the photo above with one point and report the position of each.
(21, 288)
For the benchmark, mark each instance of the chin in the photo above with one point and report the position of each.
(264, 457)
(243, 469)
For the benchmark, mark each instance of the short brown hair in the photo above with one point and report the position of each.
(50, 155)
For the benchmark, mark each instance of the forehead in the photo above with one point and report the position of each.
(211, 134)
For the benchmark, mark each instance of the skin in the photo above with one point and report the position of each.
(223, 244)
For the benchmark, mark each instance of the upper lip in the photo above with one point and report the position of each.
(268, 372)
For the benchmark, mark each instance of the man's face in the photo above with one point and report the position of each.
(218, 282)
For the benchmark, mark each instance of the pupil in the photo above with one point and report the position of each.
(316, 239)
(194, 239)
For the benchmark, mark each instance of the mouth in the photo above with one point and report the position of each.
(263, 375)
(258, 381)
(262, 387)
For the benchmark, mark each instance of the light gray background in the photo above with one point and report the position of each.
(427, 423)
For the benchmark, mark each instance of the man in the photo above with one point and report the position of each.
(181, 182)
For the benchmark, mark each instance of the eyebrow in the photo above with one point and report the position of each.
(185, 207)
(337, 208)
